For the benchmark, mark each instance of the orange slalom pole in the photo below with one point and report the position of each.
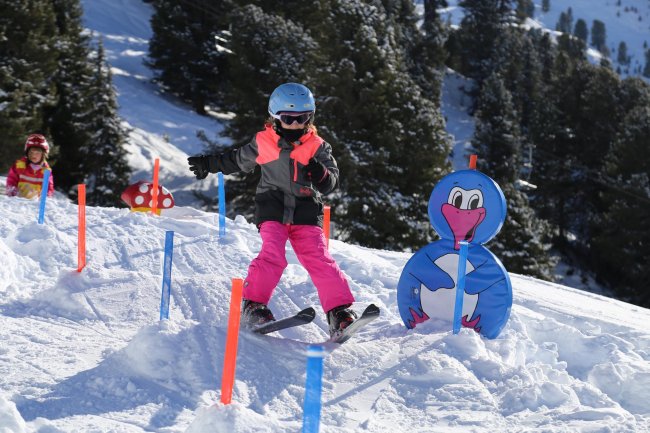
(326, 224)
(472, 162)
(230, 357)
(154, 191)
(81, 243)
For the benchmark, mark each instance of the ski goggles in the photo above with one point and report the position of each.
(290, 117)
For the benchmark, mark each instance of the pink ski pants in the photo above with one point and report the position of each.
(308, 242)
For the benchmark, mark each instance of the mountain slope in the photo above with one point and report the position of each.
(625, 21)
(86, 352)
(160, 126)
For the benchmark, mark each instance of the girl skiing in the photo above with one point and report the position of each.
(25, 178)
(297, 168)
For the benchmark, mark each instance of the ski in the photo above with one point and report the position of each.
(301, 318)
(369, 314)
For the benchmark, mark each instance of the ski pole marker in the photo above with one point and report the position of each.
(313, 387)
(154, 190)
(81, 243)
(44, 187)
(222, 205)
(167, 275)
(460, 285)
(472, 162)
(232, 339)
(326, 224)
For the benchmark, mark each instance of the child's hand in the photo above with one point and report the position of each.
(199, 166)
(315, 171)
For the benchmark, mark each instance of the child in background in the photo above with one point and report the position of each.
(297, 169)
(25, 178)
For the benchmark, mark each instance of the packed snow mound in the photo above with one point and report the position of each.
(87, 352)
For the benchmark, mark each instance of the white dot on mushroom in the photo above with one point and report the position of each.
(143, 188)
(139, 200)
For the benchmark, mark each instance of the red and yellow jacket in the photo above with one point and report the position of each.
(26, 179)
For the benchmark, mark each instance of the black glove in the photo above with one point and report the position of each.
(199, 165)
(314, 171)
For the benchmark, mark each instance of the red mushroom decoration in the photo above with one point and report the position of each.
(138, 197)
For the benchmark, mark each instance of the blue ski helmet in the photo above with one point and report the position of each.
(291, 97)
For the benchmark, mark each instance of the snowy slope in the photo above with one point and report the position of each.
(628, 21)
(160, 126)
(85, 352)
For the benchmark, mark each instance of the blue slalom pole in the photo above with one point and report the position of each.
(222, 205)
(44, 187)
(313, 384)
(167, 275)
(460, 285)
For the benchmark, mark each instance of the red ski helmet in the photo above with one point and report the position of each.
(37, 140)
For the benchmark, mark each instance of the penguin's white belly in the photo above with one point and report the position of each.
(439, 304)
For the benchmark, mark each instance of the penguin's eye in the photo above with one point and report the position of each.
(474, 202)
(457, 199)
(465, 199)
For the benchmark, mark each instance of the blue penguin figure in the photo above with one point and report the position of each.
(464, 206)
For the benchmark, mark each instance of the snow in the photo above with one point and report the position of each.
(160, 127)
(631, 26)
(459, 124)
(620, 25)
(86, 352)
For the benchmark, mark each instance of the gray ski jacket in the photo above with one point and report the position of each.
(283, 194)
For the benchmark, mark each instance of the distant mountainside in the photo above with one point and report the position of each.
(625, 21)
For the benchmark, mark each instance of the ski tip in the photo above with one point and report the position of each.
(307, 312)
(371, 310)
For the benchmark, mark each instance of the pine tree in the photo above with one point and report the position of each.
(581, 31)
(597, 124)
(105, 167)
(523, 61)
(479, 31)
(525, 9)
(598, 35)
(425, 49)
(556, 151)
(383, 192)
(497, 138)
(622, 245)
(185, 49)
(68, 119)
(569, 17)
(84, 121)
(646, 69)
(622, 57)
(268, 51)
(546, 5)
(564, 23)
(523, 242)
(27, 63)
